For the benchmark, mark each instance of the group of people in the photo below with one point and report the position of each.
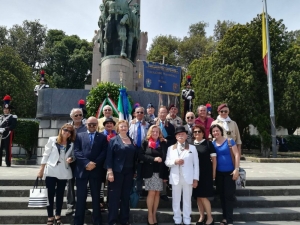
(156, 150)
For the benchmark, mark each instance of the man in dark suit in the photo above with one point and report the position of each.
(190, 122)
(90, 151)
(168, 131)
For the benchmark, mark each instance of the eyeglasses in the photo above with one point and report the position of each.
(66, 130)
(107, 110)
(190, 117)
(76, 115)
(197, 132)
(92, 124)
(139, 112)
(224, 111)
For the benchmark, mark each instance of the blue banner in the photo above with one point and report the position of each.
(162, 78)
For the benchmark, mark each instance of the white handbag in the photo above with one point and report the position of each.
(38, 196)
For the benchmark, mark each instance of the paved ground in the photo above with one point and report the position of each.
(254, 171)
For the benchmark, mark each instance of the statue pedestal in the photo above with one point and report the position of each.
(111, 66)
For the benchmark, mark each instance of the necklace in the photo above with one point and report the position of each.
(123, 137)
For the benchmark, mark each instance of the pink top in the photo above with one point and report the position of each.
(206, 124)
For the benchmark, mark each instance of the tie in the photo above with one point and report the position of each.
(182, 146)
(91, 139)
(163, 130)
(139, 135)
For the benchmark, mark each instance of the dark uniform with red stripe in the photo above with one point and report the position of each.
(8, 122)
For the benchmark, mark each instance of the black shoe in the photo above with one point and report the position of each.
(164, 197)
(199, 223)
(88, 212)
(212, 223)
(177, 223)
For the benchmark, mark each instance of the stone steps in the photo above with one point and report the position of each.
(39, 216)
(242, 202)
(23, 191)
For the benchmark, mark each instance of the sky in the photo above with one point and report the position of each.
(158, 17)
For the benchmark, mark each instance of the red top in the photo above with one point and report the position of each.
(206, 124)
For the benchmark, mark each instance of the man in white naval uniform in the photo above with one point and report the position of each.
(182, 158)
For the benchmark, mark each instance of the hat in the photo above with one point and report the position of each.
(222, 106)
(150, 105)
(6, 101)
(188, 80)
(43, 76)
(81, 104)
(180, 129)
(109, 120)
(171, 106)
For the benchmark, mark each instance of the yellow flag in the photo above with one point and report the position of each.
(264, 43)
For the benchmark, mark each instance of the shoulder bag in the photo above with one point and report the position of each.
(38, 196)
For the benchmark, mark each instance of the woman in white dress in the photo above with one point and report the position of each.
(58, 154)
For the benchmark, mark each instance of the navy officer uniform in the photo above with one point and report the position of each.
(8, 123)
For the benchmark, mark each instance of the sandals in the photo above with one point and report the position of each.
(58, 221)
(50, 221)
(223, 223)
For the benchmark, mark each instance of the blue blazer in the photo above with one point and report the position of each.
(84, 153)
(116, 154)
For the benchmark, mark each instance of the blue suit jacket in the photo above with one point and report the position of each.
(116, 154)
(85, 153)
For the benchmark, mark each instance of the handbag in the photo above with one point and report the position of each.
(241, 181)
(38, 196)
(134, 196)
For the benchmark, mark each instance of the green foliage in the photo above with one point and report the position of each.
(251, 141)
(164, 46)
(69, 59)
(99, 93)
(28, 40)
(26, 135)
(221, 28)
(16, 80)
(293, 142)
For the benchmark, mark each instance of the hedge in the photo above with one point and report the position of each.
(26, 135)
(293, 142)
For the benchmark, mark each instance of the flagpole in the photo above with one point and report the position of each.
(270, 85)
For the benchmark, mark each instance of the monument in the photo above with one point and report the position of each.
(119, 45)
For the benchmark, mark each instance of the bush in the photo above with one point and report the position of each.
(293, 142)
(98, 94)
(26, 135)
(251, 141)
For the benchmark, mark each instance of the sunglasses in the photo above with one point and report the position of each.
(139, 112)
(76, 115)
(92, 124)
(107, 110)
(66, 130)
(197, 132)
(224, 111)
(190, 117)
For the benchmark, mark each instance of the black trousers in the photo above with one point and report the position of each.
(56, 187)
(119, 196)
(6, 144)
(81, 185)
(226, 189)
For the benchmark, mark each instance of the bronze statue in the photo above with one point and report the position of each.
(119, 28)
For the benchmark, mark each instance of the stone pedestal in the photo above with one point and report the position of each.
(111, 67)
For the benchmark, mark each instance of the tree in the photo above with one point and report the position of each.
(195, 45)
(3, 36)
(198, 29)
(16, 80)
(221, 28)
(28, 40)
(235, 74)
(164, 46)
(68, 59)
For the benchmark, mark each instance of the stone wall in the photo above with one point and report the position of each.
(47, 128)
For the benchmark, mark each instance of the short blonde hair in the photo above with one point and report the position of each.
(149, 133)
(72, 136)
(119, 122)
